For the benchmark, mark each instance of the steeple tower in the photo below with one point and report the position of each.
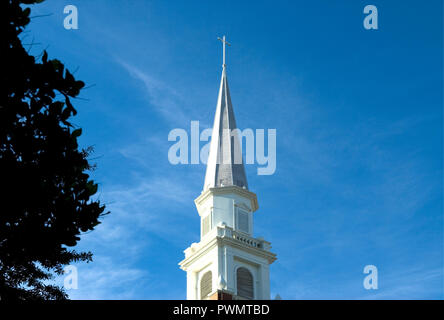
(228, 262)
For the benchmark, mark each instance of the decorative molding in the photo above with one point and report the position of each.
(223, 240)
(227, 190)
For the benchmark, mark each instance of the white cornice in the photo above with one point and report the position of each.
(220, 241)
(227, 190)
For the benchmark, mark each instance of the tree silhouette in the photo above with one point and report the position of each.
(45, 191)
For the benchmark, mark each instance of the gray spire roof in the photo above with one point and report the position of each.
(225, 165)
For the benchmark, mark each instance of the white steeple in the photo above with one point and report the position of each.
(225, 165)
(228, 262)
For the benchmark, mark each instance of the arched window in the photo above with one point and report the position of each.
(206, 285)
(244, 283)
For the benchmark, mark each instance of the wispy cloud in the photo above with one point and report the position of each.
(106, 279)
(417, 282)
(163, 97)
(413, 283)
(125, 236)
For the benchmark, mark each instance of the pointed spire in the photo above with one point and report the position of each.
(225, 165)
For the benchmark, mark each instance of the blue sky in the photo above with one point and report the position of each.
(358, 115)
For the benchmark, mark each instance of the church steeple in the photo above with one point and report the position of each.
(228, 262)
(225, 165)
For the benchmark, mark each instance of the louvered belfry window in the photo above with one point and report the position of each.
(245, 283)
(205, 285)
(205, 225)
(242, 220)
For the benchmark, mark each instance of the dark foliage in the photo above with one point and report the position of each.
(45, 191)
